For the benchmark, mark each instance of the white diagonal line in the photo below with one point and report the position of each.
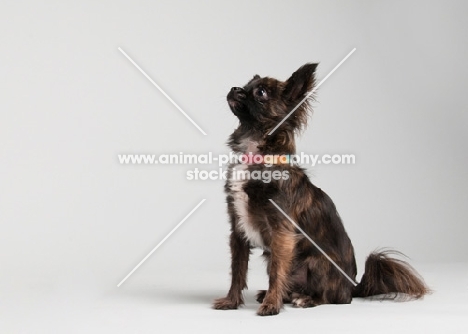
(160, 89)
(313, 243)
(311, 92)
(161, 242)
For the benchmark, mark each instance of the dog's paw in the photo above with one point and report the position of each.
(303, 301)
(268, 309)
(261, 296)
(225, 303)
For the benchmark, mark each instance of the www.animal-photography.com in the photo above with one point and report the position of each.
(248, 166)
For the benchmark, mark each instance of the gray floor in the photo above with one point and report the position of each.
(155, 302)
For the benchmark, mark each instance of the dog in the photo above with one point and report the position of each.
(298, 272)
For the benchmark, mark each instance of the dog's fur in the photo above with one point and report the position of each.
(298, 272)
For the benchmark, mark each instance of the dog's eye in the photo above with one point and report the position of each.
(261, 92)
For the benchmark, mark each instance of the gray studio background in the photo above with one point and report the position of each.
(72, 218)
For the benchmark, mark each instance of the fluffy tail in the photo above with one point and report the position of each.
(390, 278)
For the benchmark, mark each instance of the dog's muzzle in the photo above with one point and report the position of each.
(237, 94)
(235, 99)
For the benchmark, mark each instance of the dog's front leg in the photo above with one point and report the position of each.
(282, 252)
(240, 251)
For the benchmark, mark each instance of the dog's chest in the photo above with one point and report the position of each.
(241, 206)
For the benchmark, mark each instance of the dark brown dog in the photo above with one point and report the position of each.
(298, 272)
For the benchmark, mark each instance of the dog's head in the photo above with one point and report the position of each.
(264, 102)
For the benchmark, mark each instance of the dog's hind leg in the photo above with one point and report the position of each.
(302, 300)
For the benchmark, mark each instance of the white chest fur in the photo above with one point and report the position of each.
(241, 199)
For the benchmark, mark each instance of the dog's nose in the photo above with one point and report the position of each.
(237, 94)
(237, 91)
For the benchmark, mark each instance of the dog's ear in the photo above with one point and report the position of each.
(300, 83)
(255, 77)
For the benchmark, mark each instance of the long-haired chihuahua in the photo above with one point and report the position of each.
(299, 273)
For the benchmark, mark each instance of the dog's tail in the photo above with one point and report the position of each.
(390, 278)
